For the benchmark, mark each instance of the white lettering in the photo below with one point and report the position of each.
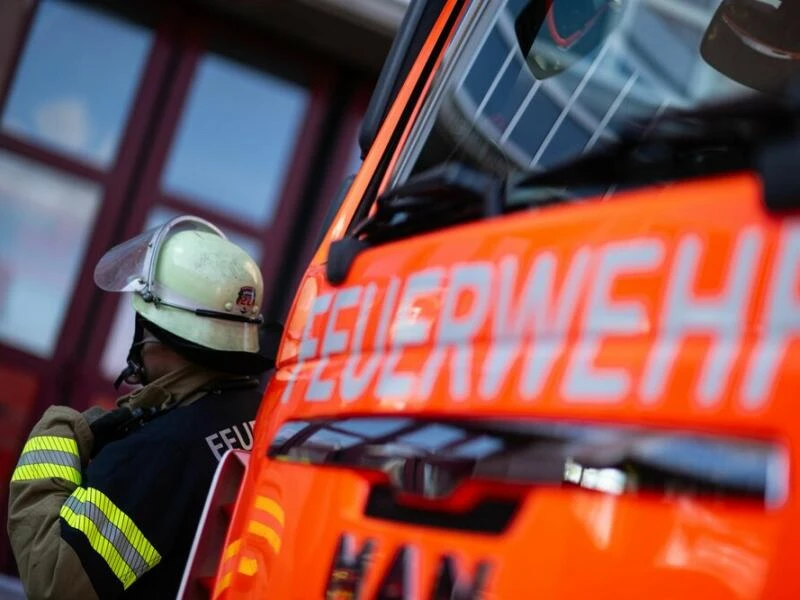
(308, 344)
(318, 389)
(431, 371)
(353, 384)
(359, 383)
(583, 381)
(215, 448)
(333, 341)
(781, 322)
(336, 340)
(389, 298)
(227, 437)
(526, 312)
(244, 445)
(723, 315)
(457, 333)
(533, 314)
(409, 328)
(549, 330)
(232, 437)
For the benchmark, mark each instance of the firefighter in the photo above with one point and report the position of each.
(105, 504)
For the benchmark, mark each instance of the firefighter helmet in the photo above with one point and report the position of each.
(199, 290)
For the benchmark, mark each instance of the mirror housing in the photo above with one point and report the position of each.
(754, 43)
(554, 34)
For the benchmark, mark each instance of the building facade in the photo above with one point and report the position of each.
(115, 116)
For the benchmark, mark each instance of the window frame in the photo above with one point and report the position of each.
(72, 375)
(379, 178)
(457, 54)
(113, 181)
(150, 194)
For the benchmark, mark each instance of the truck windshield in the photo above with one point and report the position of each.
(528, 84)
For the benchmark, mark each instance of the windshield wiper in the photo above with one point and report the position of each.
(760, 134)
(446, 195)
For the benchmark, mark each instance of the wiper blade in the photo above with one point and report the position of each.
(682, 144)
(749, 116)
(445, 195)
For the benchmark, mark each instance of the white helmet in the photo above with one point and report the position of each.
(195, 289)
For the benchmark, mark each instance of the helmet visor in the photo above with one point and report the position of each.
(129, 266)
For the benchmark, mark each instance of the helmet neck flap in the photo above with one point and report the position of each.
(233, 362)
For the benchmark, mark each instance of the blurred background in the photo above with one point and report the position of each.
(115, 116)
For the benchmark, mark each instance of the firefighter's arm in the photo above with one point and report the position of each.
(123, 519)
(48, 472)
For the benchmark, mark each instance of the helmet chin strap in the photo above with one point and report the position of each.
(134, 373)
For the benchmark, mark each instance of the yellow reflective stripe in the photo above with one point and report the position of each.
(46, 471)
(248, 566)
(101, 545)
(266, 532)
(111, 533)
(232, 549)
(269, 506)
(51, 442)
(224, 583)
(121, 521)
(48, 456)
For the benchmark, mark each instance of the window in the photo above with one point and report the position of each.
(651, 33)
(527, 85)
(509, 94)
(432, 437)
(235, 140)
(76, 81)
(492, 56)
(543, 453)
(45, 220)
(534, 124)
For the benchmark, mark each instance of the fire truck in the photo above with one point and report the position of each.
(549, 344)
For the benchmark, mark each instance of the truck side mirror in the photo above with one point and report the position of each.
(554, 34)
(754, 43)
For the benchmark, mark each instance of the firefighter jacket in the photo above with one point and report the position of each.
(121, 524)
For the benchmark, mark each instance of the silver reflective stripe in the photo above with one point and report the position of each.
(52, 457)
(110, 532)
